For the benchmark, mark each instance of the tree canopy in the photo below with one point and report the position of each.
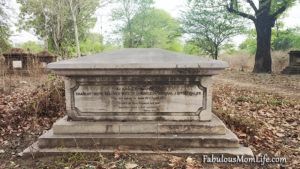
(156, 29)
(209, 25)
(51, 20)
(263, 16)
(146, 27)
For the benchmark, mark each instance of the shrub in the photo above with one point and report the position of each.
(51, 101)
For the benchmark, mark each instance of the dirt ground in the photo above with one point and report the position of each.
(277, 84)
(261, 109)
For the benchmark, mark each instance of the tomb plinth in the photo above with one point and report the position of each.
(139, 101)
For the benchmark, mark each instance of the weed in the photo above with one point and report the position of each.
(241, 99)
(275, 102)
(255, 100)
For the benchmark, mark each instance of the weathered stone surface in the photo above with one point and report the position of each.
(102, 97)
(138, 141)
(35, 151)
(139, 100)
(294, 63)
(138, 62)
(138, 80)
(215, 126)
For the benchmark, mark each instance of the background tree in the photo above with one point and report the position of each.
(143, 26)
(287, 39)
(209, 25)
(191, 48)
(281, 39)
(51, 20)
(155, 28)
(4, 27)
(84, 9)
(264, 18)
(249, 44)
(124, 14)
(32, 46)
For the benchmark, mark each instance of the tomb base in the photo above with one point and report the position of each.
(169, 137)
(35, 152)
(291, 70)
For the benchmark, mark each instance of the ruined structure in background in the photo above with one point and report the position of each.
(46, 57)
(294, 63)
(20, 60)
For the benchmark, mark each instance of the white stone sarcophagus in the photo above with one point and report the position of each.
(140, 101)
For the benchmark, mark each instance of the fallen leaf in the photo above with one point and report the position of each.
(280, 135)
(190, 163)
(130, 165)
(117, 154)
(176, 161)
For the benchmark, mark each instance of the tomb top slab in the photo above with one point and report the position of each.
(137, 59)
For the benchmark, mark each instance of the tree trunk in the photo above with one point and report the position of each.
(76, 36)
(216, 52)
(75, 28)
(263, 61)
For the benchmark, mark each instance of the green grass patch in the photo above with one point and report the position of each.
(256, 100)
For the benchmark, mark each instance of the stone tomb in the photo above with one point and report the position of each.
(294, 63)
(139, 101)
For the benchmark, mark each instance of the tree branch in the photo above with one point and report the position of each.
(252, 5)
(242, 14)
(279, 11)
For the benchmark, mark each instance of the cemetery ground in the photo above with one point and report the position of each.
(261, 109)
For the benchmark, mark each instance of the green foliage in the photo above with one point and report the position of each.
(4, 44)
(274, 8)
(283, 43)
(249, 44)
(32, 46)
(209, 24)
(51, 21)
(174, 45)
(264, 15)
(124, 14)
(229, 48)
(256, 100)
(241, 99)
(93, 43)
(155, 28)
(4, 27)
(108, 46)
(191, 48)
(287, 40)
(146, 27)
(275, 102)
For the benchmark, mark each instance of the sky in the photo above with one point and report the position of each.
(291, 19)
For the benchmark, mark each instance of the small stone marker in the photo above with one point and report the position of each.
(139, 101)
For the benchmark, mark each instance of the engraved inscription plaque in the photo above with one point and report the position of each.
(138, 98)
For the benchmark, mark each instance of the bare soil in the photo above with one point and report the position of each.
(276, 84)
